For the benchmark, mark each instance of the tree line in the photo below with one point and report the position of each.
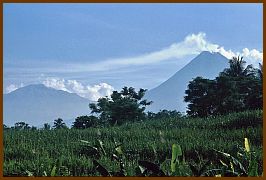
(58, 124)
(237, 88)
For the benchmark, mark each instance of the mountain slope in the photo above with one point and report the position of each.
(37, 104)
(170, 94)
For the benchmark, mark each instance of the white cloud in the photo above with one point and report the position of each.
(227, 53)
(92, 93)
(13, 87)
(253, 56)
(56, 83)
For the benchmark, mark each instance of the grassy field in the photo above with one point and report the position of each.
(74, 152)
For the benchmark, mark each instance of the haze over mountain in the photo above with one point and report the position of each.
(37, 104)
(170, 94)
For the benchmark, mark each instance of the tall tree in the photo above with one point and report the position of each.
(260, 72)
(126, 105)
(83, 122)
(237, 68)
(164, 114)
(59, 124)
(201, 97)
(229, 95)
(5, 127)
(21, 126)
(237, 88)
(46, 126)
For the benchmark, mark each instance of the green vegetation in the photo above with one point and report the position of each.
(124, 106)
(236, 89)
(220, 136)
(177, 146)
(83, 122)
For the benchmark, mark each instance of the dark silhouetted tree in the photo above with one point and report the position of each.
(46, 126)
(237, 68)
(260, 72)
(124, 106)
(59, 124)
(201, 97)
(21, 126)
(237, 88)
(33, 128)
(5, 127)
(164, 114)
(83, 122)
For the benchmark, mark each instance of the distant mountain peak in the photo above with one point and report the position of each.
(209, 54)
(206, 52)
(36, 86)
(31, 87)
(170, 94)
(37, 104)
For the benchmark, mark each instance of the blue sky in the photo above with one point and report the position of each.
(101, 47)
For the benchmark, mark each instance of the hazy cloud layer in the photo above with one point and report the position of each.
(192, 44)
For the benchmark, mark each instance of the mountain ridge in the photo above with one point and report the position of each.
(169, 94)
(37, 104)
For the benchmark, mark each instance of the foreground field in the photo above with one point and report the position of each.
(128, 147)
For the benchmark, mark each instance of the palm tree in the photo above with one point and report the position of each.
(46, 126)
(237, 68)
(59, 124)
(21, 125)
(5, 127)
